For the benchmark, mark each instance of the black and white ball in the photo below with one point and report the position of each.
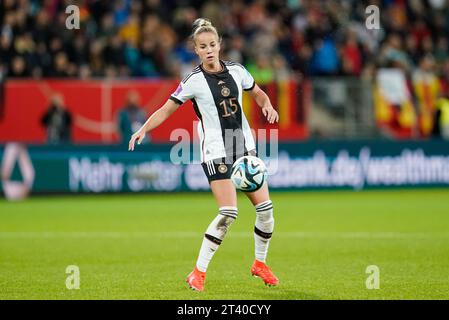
(249, 173)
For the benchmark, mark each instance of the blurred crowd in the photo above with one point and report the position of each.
(273, 38)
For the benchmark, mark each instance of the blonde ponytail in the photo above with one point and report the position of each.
(201, 25)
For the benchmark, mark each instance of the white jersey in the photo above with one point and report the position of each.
(217, 101)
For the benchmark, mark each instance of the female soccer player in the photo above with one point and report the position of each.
(215, 88)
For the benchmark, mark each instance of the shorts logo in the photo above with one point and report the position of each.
(225, 91)
(222, 168)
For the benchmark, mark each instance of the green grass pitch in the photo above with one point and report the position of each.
(143, 246)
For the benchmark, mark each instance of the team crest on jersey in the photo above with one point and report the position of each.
(222, 168)
(225, 91)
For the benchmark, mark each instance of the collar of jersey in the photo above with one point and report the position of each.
(217, 72)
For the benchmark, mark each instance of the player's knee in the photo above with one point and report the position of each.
(264, 211)
(221, 224)
(228, 216)
(229, 211)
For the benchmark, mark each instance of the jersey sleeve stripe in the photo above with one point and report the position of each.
(195, 71)
(176, 100)
(252, 87)
(230, 63)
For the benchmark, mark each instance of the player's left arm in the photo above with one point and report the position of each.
(263, 101)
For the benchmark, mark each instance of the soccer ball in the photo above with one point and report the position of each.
(249, 173)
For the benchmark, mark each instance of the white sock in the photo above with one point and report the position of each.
(214, 235)
(263, 229)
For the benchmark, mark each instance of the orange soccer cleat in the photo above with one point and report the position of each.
(261, 270)
(196, 279)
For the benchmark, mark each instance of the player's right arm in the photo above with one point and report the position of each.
(184, 92)
(153, 121)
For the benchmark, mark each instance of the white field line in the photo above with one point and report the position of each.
(192, 234)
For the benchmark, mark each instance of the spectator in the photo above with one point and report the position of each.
(147, 53)
(427, 90)
(420, 31)
(61, 67)
(262, 70)
(281, 71)
(411, 46)
(6, 50)
(442, 50)
(392, 54)
(58, 121)
(19, 68)
(114, 52)
(444, 77)
(325, 58)
(441, 119)
(351, 56)
(130, 31)
(301, 62)
(236, 48)
(130, 117)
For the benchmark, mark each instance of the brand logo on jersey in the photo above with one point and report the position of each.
(225, 91)
(222, 168)
(221, 82)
